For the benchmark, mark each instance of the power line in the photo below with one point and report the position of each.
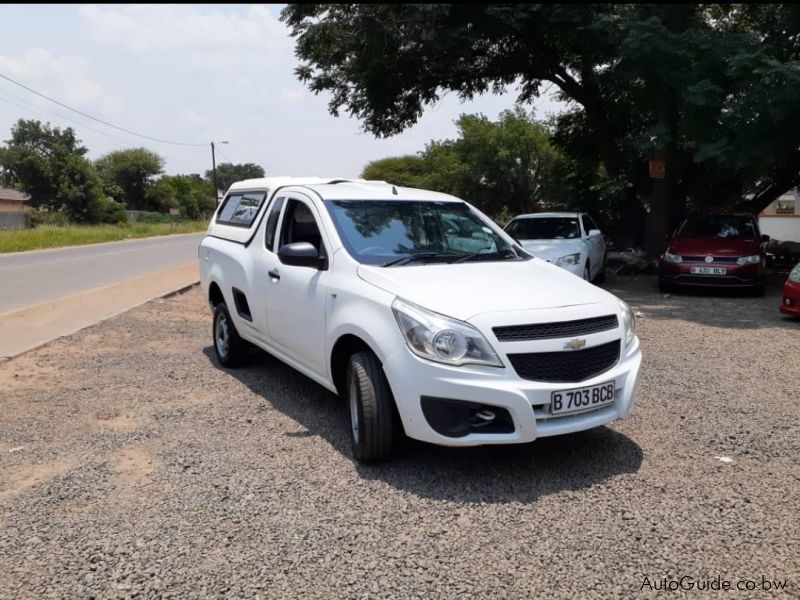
(14, 100)
(75, 110)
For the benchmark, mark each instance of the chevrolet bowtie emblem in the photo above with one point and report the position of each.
(575, 344)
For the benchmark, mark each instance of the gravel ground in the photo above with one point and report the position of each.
(132, 465)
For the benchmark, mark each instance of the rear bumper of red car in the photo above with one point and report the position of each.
(790, 303)
(735, 275)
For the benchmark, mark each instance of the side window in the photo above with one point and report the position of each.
(272, 223)
(590, 224)
(240, 209)
(299, 225)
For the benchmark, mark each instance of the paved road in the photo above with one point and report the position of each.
(29, 278)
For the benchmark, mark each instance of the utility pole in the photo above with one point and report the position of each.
(214, 171)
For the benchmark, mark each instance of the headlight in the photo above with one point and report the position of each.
(672, 258)
(442, 339)
(795, 274)
(569, 260)
(748, 260)
(628, 322)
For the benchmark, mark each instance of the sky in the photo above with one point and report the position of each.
(196, 73)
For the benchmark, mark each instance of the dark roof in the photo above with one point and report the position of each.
(13, 195)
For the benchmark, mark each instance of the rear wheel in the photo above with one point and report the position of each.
(228, 346)
(372, 428)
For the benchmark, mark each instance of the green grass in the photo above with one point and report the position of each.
(50, 236)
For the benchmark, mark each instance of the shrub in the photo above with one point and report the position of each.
(48, 217)
(154, 217)
(110, 211)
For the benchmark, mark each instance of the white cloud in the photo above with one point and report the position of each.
(155, 28)
(65, 78)
(292, 96)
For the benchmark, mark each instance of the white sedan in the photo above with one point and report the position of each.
(569, 240)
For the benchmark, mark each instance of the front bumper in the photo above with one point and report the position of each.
(790, 303)
(735, 275)
(528, 402)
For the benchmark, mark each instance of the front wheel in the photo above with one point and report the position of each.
(587, 272)
(372, 429)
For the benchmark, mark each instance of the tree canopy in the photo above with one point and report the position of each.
(508, 164)
(228, 173)
(126, 175)
(48, 163)
(707, 90)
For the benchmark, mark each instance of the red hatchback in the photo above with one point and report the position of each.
(719, 250)
(790, 304)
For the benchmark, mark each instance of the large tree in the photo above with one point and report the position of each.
(127, 174)
(49, 164)
(707, 91)
(228, 173)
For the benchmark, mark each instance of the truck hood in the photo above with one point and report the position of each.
(714, 246)
(552, 250)
(465, 290)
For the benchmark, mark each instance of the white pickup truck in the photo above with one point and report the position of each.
(426, 316)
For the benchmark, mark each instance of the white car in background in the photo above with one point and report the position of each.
(569, 240)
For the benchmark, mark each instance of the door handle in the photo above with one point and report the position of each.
(274, 274)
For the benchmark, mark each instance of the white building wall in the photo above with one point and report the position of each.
(785, 228)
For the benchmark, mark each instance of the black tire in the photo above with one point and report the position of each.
(758, 291)
(587, 272)
(601, 276)
(229, 348)
(664, 288)
(372, 428)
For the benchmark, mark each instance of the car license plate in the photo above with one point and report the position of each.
(708, 271)
(567, 401)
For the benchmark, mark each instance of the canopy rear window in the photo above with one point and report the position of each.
(240, 208)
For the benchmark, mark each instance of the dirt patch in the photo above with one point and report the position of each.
(133, 464)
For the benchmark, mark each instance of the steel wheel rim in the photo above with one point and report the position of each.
(353, 398)
(221, 336)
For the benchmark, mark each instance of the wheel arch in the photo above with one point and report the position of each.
(215, 295)
(344, 347)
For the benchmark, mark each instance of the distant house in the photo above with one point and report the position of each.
(12, 209)
(781, 219)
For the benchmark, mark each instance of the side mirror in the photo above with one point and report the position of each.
(765, 238)
(593, 232)
(302, 254)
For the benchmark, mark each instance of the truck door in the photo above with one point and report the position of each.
(296, 296)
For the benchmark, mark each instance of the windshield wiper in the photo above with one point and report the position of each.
(409, 258)
(480, 252)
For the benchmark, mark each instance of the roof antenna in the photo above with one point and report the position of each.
(394, 190)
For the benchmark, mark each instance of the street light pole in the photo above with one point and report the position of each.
(214, 171)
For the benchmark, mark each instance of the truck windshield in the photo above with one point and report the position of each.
(384, 232)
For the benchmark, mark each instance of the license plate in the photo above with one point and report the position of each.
(567, 401)
(708, 271)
